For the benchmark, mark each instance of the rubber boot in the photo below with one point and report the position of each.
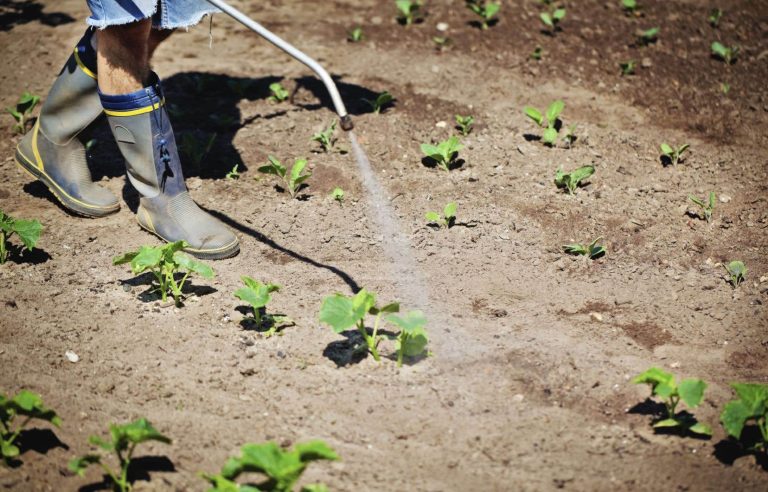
(140, 124)
(52, 153)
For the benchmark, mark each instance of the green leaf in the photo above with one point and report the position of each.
(582, 173)
(80, 464)
(734, 416)
(449, 212)
(8, 450)
(432, 217)
(192, 265)
(667, 150)
(392, 307)
(702, 429)
(534, 114)
(691, 391)
(754, 396)
(549, 136)
(31, 405)
(558, 15)
(125, 258)
(712, 200)
(314, 487)
(667, 423)
(257, 295)
(697, 201)
(340, 312)
(575, 249)
(430, 151)
(135, 432)
(719, 50)
(28, 231)
(546, 19)
(315, 450)
(491, 10)
(655, 376)
(553, 112)
(147, 258)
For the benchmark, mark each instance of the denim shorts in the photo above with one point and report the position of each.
(165, 14)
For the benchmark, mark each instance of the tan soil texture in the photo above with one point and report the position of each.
(529, 386)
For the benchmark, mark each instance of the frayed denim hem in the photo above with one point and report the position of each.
(186, 25)
(159, 20)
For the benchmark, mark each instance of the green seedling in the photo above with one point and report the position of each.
(381, 102)
(714, 17)
(552, 19)
(325, 138)
(571, 180)
(408, 11)
(536, 53)
(258, 296)
(164, 262)
(549, 137)
(631, 7)
(448, 219)
(675, 155)
(690, 391)
(648, 36)
(725, 88)
(441, 42)
(279, 93)
(444, 153)
(591, 250)
(570, 136)
(412, 340)
(293, 181)
(234, 173)
(751, 406)
(22, 112)
(355, 35)
(465, 124)
(27, 230)
(628, 67)
(728, 55)
(706, 206)
(24, 404)
(486, 10)
(196, 148)
(122, 442)
(737, 272)
(338, 195)
(282, 467)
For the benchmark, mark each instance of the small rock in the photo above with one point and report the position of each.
(724, 198)
(435, 69)
(376, 20)
(518, 398)
(596, 317)
(71, 356)
(646, 63)
(674, 365)
(441, 124)
(442, 26)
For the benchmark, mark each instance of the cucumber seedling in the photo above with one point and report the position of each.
(751, 406)
(737, 272)
(164, 262)
(28, 231)
(258, 296)
(122, 442)
(551, 124)
(485, 10)
(674, 155)
(441, 42)
(294, 180)
(591, 250)
(630, 7)
(728, 55)
(706, 206)
(570, 136)
(448, 219)
(234, 174)
(552, 19)
(22, 111)
(571, 180)
(326, 138)
(714, 17)
(465, 124)
(408, 11)
(381, 102)
(338, 195)
(279, 93)
(355, 35)
(412, 340)
(24, 404)
(649, 36)
(628, 67)
(282, 467)
(537, 53)
(690, 391)
(444, 153)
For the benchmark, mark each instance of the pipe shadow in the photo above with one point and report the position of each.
(353, 95)
(14, 13)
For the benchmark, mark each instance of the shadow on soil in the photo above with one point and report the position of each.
(14, 13)
(34, 257)
(138, 470)
(39, 440)
(150, 294)
(729, 450)
(353, 349)
(659, 412)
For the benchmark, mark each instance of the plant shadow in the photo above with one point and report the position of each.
(479, 25)
(139, 470)
(351, 350)
(273, 324)
(18, 254)
(16, 13)
(38, 440)
(433, 164)
(530, 137)
(729, 450)
(658, 412)
(150, 294)
(353, 95)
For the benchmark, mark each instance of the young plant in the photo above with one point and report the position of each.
(737, 272)
(648, 36)
(164, 262)
(714, 17)
(486, 10)
(690, 391)
(725, 88)
(570, 136)
(24, 404)
(293, 181)
(234, 173)
(27, 230)
(628, 67)
(382, 101)
(552, 19)
(122, 442)
(338, 195)
(325, 138)
(283, 468)
(591, 250)
(728, 55)
(675, 155)
(355, 35)
(23, 111)
(629, 6)
(706, 207)
(408, 11)
(412, 340)
(549, 137)
(441, 42)
(465, 124)
(571, 180)
(447, 219)
(444, 153)
(751, 406)
(196, 148)
(536, 53)
(279, 93)
(258, 296)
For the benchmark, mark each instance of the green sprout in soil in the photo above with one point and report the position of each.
(408, 11)
(279, 93)
(706, 206)
(486, 10)
(24, 404)
(591, 250)
(673, 154)
(648, 36)
(325, 138)
(281, 467)
(258, 296)
(536, 53)
(22, 111)
(630, 7)
(552, 19)
(441, 42)
(465, 124)
(550, 124)
(751, 406)
(382, 100)
(628, 67)
(294, 181)
(338, 195)
(164, 262)
(412, 340)
(737, 272)
(444, 153)
(27, 230)
(122, 443)
(196, 148)
(234, 173)
(690, 391)
(714, 17)
(571, 180)
(355, 35)
(728, 55)
(448, 219)
(725, 88)
(570, 136)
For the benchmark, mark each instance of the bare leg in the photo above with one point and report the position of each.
(123, 57)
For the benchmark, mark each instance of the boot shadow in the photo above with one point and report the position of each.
(18, 12)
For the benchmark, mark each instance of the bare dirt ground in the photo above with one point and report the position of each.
(529, 386)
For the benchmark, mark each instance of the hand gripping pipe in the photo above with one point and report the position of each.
(346, 120)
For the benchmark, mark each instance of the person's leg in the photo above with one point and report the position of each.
(123, 57)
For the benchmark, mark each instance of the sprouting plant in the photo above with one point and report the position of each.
(674, 154)
(382, 101)
(648, 36)
(408, 10)
(591, 250)
(706, 206)
(164, 262)
(234, 173)
(444, 153)
(628, 67)
(24, 404)
(258, 296)
(465, 124)
(629, 6)
(282, 467)
(412, 339)
(441, 42)
(486, 10)
(338, 195)
(536, 53)
(752, 405)
(728, 55)
(293, 181)
(552, 19)
(714, 17)
(122, 442)
(27, 230)
(725, 88)
(196, 148)
(690, 391)
(571, 180)
(23, 111)
(279, 93)
(447, 219)
(355, 35)
(570, 136)
(325, 137)
(549, 137)
(737, 272)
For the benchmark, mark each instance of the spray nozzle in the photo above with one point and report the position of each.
(346, 123)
